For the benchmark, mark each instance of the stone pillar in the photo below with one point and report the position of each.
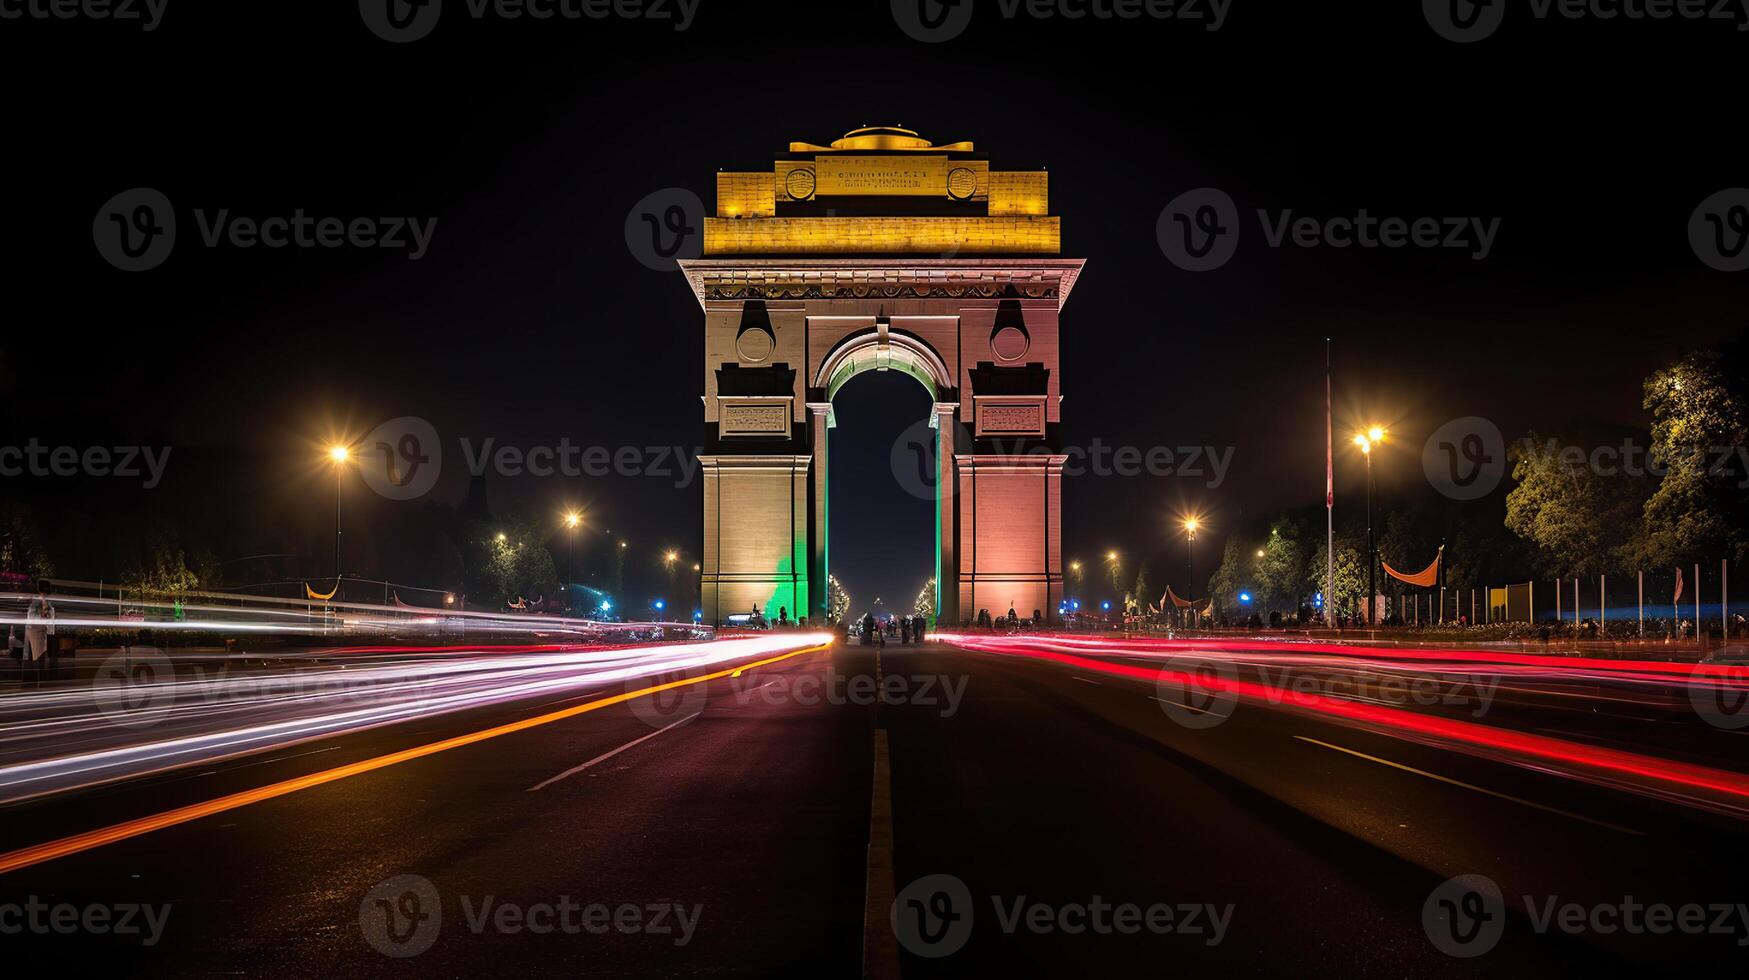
(947, 586)
(819, 587)
(756, 534)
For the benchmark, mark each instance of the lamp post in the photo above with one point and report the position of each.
(339, 456)
(1366, 440)
(573, 521)
(1190, 526)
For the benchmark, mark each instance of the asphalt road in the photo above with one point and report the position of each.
(1044, 820)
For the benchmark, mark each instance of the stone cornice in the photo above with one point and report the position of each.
(805, 279)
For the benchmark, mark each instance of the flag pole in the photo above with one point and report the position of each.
(1329, 493)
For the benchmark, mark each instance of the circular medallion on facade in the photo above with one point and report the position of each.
(755, 344)
(800, 184)
(962, 183)
(1010, 343)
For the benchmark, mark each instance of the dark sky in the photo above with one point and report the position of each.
(530, 321)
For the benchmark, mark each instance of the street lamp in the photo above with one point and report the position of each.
(573, 521)
(339, 456)
(1190, 525)
(1373, 436)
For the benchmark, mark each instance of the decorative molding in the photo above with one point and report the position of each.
(803, 279)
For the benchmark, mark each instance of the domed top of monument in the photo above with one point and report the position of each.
(883, 138)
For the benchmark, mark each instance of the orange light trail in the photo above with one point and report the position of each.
(78, 843)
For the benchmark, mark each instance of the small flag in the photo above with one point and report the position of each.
(1678, 596)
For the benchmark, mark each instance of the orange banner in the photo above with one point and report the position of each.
(1426, 578)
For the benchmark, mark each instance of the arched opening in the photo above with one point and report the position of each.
(883, 496)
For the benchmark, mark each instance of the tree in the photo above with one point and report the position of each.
(1350, 577)
(21, 549)
(925, 605)
(837, 600)
(1700, 422)
(1581, 518)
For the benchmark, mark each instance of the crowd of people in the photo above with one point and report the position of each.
(898, 629)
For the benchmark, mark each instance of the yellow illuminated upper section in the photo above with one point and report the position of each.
(881, 138)
(819, 200)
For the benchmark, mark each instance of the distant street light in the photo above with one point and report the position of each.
(1191, 523)
(338, 455)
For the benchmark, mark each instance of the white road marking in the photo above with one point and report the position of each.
(880, 947)
(1085, 681)
(603, 757)
(1181, 704)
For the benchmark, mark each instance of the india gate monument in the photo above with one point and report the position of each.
(882, 252)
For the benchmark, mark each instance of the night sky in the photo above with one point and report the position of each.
(529, 320)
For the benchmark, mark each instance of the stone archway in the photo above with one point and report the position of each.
(881, 252)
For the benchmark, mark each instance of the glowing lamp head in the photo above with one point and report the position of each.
(573, 520)
(1375, 435)
(501, 538)
(1111, 556)
(339, 454)
(1191, 524)
(671, 557)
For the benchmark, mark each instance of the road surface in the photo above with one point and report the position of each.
(1034, 807)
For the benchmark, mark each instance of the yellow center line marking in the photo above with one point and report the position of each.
(1479, 789)
(40, 853)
